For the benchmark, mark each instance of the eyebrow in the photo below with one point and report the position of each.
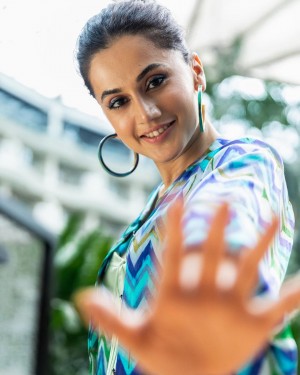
(145, 71)
(109, 92)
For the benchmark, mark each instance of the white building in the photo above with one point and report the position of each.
(48, 160)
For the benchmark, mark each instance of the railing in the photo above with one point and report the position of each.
(26, 250)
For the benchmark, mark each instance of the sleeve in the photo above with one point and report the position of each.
(251, 179)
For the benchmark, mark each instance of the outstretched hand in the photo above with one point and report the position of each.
(204, 308)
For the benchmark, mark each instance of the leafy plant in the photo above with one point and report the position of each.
(76, 262)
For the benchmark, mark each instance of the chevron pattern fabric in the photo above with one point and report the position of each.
(248, 174)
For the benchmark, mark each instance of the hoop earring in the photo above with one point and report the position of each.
(201, 123)
(108, 170)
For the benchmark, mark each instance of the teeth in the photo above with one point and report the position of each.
(156, 133)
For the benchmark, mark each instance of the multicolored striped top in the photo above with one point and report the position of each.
(247, 173)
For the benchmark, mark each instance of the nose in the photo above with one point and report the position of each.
(146, 110)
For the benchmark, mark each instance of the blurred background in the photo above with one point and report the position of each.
(59, 211)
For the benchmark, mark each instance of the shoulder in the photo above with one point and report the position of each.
(242, 153)
(235, 148)
(242, 162)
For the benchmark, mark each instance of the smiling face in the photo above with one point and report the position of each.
(149, 95)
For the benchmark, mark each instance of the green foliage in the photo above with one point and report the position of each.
(76, 262)
(233, 103)
(296, 332)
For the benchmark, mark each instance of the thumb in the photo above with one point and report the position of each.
(99, 307)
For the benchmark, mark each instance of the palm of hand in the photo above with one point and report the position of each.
(197, 326)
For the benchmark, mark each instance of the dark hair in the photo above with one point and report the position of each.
(128, 17)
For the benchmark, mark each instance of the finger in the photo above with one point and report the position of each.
(289, 300)
(214, 246)
(99, 307)
(248, 271)
(173, 249)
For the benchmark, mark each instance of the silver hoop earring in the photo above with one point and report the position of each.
(108, 170)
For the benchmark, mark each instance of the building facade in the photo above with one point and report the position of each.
(48, 161)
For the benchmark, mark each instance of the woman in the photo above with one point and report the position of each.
(204, 320)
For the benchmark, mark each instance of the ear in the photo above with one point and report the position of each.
(198, 72)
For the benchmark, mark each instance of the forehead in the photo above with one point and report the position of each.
(122, 62)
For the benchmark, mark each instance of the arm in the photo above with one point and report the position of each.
(253, 183)
(192, 325)
(199, 328)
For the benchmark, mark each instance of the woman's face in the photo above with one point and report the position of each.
(149, 95)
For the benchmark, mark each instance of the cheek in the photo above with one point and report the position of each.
(183, 103)
(125, 130)
(186, 107)
(120, 122)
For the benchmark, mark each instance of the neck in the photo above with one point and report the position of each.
(197, 147)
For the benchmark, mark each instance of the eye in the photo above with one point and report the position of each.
(117, 103)
(156, 81)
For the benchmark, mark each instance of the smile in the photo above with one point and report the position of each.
(158, 131)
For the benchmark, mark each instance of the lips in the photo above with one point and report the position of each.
(158, 130)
